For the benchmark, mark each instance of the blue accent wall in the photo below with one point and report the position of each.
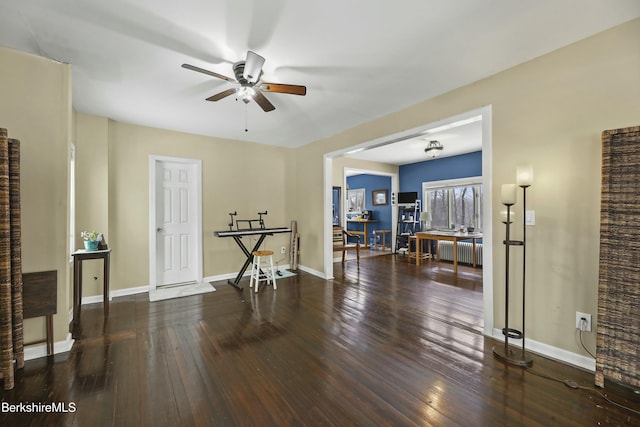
(412, 176)
(381, 213)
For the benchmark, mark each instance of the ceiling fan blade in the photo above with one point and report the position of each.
(283, 88)
(252, 67)
(210, 73)
(223, 94)
(262, 101)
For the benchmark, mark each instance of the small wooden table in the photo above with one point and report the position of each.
(40, 298)
(365, 232)
(78, 257)
(452, 237)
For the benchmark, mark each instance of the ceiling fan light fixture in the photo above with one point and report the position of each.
(249, 87)
(434, 149)
(246, 93)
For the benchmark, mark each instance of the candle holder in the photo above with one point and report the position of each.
(509, 354)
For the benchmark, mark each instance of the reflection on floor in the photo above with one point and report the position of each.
(366, 253)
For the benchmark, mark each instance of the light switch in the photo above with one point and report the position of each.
(530, 218)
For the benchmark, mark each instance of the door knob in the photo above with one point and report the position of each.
(158, 229)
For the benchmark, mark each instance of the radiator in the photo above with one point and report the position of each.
(465, 252)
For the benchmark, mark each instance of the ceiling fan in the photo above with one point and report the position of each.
(248, 74)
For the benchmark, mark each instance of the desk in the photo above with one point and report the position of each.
(452, 237)
(365, 232)
(78, 257)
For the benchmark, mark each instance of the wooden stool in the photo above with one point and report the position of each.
(383, 238)
(263, 259)
(414, 253)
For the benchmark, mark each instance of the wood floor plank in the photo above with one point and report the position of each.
(386, 344)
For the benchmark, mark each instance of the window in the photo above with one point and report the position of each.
(454, 203)
(355, 200)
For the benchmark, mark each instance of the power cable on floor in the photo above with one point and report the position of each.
(574, 385)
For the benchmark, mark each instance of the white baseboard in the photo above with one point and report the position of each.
(37, 351)
(144, 289)
(552, 352)
(117, 293)
(128, 291)
(228, 276)
(316, 273)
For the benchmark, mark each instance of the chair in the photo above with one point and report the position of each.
(342, 244)
(262, 269)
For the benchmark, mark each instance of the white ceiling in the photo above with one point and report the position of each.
(360, 59)
(459, 136)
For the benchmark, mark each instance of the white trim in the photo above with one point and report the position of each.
(94, 299)
(72, 200)
(328, 215)
(227, 276)
(153, 160)
(551, 352)
(487, 251)
(448, 183)
(36, 351)
(311, 271)
(390, 139)
(394, 190)
(487, 219)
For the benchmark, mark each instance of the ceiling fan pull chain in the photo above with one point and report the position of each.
(246, 120)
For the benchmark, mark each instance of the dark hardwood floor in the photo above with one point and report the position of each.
(388, 344)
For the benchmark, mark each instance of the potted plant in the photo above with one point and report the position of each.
(90, 240)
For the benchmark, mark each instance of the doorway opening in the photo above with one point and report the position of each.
(483, 115)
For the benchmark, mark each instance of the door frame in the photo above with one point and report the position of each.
(154, 160)
(350, 171)
(487, 174)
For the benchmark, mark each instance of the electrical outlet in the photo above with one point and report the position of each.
(283, 250)
(583, 321)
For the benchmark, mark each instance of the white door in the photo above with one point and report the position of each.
(177, 223)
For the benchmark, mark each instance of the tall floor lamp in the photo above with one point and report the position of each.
(508, 354)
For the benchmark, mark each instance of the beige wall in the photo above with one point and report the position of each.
(92, 184)
(35, 106)
(237, 176)
(549, 112)
(340, 163)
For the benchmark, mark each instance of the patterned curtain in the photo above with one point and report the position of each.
(11, 339)
(618, 337)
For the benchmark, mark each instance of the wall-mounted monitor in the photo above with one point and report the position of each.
(409, 197)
